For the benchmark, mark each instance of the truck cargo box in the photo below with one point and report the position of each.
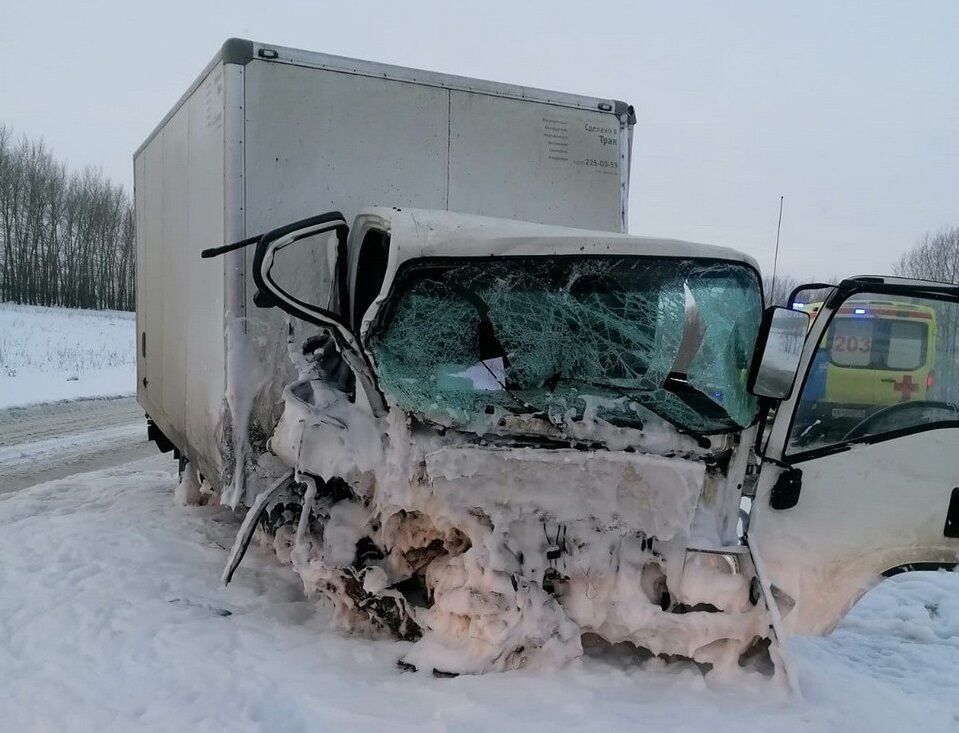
(267, 135)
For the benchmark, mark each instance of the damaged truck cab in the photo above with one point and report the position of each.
(543, 434)
(514, 437)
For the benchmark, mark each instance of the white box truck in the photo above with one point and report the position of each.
(479, 416)
(268, 135)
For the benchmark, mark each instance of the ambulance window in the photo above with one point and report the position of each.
(871, 341)
(906, 345)
(852, 341)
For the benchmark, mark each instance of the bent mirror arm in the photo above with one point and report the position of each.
(270, 294)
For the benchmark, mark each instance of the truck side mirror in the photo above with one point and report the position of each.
(778, 350)
(303, 233)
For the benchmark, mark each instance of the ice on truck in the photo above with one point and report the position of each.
(518, 441)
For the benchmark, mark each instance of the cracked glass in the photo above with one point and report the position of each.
(622, 335)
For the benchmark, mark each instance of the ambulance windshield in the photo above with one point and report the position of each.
(885, 364)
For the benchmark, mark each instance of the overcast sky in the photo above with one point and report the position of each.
(848, 109)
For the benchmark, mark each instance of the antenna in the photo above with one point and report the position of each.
(779, 226)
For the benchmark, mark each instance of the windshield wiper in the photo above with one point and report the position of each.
(532, 410)
(622, 391)
(695, 398)
(672, 384)
(558, 377)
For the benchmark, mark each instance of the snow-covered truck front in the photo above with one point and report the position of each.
(520, 434)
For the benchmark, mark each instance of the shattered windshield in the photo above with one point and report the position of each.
(619, 337)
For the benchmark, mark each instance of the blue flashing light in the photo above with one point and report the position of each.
(797, 306)
(859, 311)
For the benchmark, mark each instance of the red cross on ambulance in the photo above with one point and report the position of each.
(906, 387)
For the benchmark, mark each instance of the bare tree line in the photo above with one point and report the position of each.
(936, 257)
(69, 239)
(66, 239)
(778, 292)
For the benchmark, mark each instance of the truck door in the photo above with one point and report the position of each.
(840, 504)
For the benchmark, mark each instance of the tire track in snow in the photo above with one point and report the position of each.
(50, 441)
(56, 419)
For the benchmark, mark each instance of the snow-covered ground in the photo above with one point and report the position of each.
(63, 353)
(112, 618)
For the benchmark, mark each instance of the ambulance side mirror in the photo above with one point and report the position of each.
(778, 350)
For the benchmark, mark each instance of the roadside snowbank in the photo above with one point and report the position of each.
(49, 354)
(112, 618)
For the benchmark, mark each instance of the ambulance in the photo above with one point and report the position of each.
(878, 353)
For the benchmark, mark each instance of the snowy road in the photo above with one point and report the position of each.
(49, 441)
(112, 618)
